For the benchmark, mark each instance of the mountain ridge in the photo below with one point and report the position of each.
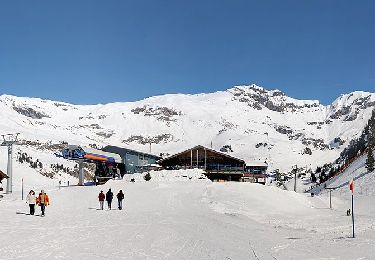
(258, 124)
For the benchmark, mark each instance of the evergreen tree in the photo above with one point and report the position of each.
(370, 132)
(323, 176)
(331, 172)
(370, 160)
(313, 177)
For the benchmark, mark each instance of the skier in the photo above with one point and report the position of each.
(120, 197)
(31, 199)
(101, 199)
(42, 201)
(109, 198)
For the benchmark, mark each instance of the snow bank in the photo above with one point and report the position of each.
(257, 201)
(168, 176)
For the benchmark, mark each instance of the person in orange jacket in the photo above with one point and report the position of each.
(42, 201)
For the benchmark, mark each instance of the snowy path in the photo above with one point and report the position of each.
(184, 220)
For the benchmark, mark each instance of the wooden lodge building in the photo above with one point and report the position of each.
(217, 165)
(3, 176)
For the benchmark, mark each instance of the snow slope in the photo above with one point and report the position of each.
(175, 217)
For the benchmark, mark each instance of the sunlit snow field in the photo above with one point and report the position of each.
(176, 215)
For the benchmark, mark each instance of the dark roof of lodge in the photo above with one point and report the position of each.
(3, 175)
(122, 150)
(203, 147)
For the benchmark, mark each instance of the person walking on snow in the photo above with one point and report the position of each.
(120, 197)
(109, 198)
(101, 199)
(42, 201)
(31, 199)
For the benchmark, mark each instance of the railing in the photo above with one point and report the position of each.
(224, 169)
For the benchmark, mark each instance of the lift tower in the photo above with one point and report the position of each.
(9, 140)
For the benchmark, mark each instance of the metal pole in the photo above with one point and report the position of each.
(353, 213)
(268, 148)
(80, 176)
(22, 189)
(330, 199)
(205, 158)
(9, 169)
(295, 181)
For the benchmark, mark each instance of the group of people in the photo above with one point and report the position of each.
(42, 200)
(109, 197)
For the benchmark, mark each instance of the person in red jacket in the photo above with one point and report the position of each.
(101, 199)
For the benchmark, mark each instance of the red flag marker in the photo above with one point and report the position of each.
(351, 185)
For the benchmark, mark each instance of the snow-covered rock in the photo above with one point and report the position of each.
(258, 124)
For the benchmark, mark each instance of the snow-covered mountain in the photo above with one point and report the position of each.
(247, 121)
(179, 214)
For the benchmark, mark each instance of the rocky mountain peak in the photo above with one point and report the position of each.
(349, 106)
(274, 100)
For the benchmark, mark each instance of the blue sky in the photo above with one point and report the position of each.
(89, 52)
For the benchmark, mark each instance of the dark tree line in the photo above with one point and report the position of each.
(324, 173)
(25, 158)
(370, 132)
(60, 167)
(358, 146)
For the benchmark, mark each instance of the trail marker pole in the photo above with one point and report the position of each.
(351, 188)
(353, 214)
(22, 189)
(295, 169)
(330, 199)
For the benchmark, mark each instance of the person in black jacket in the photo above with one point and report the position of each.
(109, 198)
(120, 197)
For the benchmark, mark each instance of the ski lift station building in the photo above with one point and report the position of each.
(134, 161)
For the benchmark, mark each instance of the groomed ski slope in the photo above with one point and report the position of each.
(176, 215)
